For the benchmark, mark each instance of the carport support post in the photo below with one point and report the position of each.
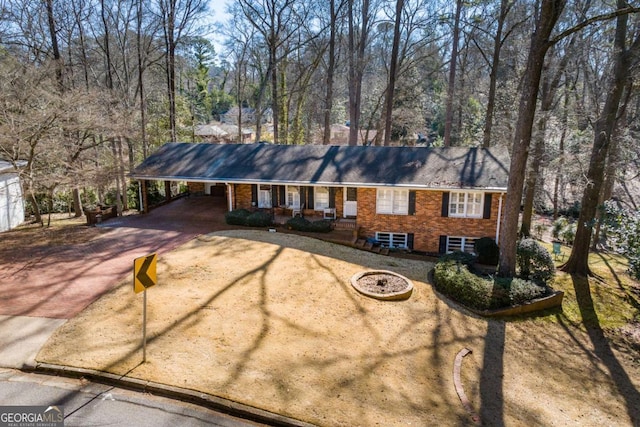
(144, 199)
(167, 191)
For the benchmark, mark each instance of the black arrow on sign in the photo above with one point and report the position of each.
(142, 275)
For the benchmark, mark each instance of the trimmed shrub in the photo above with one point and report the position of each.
(303, 224)
(237, 217)
(458, 283)
(460, 257)
(258, 219)
(487, 250)
(534, 262)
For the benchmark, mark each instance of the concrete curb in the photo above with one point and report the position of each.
(209, 401)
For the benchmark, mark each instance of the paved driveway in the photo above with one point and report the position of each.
(59, 282)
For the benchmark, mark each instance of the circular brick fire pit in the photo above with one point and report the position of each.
(382, 284)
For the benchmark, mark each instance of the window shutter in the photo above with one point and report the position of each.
(442, 248)
(274, 196)
(332, 197)
(410, 241)
(487, 206)
(310, 200)
(445, 203)
(412, 202)
(283, 195)
(254, 194)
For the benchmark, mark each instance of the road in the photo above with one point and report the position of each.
(90, 404)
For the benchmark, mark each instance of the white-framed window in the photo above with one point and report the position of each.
(293, 196)
(462, 244)
(392, 240)
(465, 205)
(264, 196)
(321, 198)
(392, 201)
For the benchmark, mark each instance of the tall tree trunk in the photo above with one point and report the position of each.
(170, 45)
(505, 6)
(558, 182)
(53, 33)
(356, 69)
(532, 177)
(141, 86)
(392, 73)
(578, 262)
(549, 14)
(452, 75)
(550, 85)
(328, 100)
(273, 74)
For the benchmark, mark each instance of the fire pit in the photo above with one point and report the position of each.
(382, 285)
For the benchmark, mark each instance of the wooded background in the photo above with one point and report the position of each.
(90, 87)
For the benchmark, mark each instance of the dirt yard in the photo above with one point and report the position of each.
(271, 320)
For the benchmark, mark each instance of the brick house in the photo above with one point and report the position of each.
(430, 200)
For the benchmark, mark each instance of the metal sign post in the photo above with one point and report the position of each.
(144, 276)
(144, 327)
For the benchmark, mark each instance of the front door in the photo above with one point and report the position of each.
(350, 202)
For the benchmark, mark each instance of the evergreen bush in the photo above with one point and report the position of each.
(458, 283)
(487, 250)
(534, 262)
(459, 257)
(258, 219)
(237, 217)
(303, 224)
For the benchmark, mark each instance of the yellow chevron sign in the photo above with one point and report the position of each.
(144, 272)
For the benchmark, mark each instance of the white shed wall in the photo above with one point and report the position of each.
(11, 202)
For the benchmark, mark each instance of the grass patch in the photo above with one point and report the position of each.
(616, 296)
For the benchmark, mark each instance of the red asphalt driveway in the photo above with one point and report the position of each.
(61, 281)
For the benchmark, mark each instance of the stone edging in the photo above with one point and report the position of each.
(394, 296)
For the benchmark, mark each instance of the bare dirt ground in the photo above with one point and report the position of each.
(271, 320)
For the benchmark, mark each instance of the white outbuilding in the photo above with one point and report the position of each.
(11, 200)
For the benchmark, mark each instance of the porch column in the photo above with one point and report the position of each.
(167, 191)
(144, 198)
(230, 196)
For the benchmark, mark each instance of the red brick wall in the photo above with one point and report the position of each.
(242, 196)
(427, 224)
(195, 187)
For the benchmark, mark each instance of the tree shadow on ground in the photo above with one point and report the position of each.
(603, 351)
(491, 377)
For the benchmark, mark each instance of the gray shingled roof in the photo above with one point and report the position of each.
(415, 167)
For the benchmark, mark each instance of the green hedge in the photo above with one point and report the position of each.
(237, 217)
(247, 218)
(456, 281)
(303, 224)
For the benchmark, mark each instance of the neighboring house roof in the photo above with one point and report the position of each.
(413, 167)
(210, 130)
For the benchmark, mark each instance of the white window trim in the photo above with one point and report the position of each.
(294, 191)
(404, 210)
(387, 239)
(466, 244)
(466, 205)
(266, 203)
(317, 205)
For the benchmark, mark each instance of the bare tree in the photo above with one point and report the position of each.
(178, 18)
(624, 58)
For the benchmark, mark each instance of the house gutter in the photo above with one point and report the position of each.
(228, 181)
(499, 218)
(229, 196)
